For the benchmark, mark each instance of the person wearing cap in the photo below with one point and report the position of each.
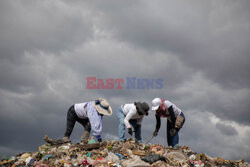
(89, 114)
(175, 119)
(131, 115)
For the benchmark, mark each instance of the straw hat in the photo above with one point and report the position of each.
(102, 106)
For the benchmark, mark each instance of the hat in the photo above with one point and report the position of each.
(142, 107)
(156, 103)
(102, 106)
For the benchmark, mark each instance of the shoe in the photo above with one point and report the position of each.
(66, 139)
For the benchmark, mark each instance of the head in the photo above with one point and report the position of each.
(142, 108)
(156, 104)
(102, 106)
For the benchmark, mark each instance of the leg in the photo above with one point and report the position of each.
(168, 133)
(175, 139)
(137, 130)
(71, 120)
(172, 140)
(121, 127)
(87, 128)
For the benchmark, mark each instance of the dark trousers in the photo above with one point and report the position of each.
(71, 120)
(173, 140)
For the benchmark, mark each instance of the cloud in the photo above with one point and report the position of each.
(226, 129)
(48, 49)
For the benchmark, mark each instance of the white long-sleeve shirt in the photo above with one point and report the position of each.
(130, 112)
(177, 111)
(81, 110)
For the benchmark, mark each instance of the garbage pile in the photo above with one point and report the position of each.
(114, 154)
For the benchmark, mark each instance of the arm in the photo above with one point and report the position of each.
(95, 121)
(171, 112)
(158, 125)
(128, 117)
(158, 122)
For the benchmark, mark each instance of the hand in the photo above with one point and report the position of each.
(99, 140)
(130, 131)
(155, 133)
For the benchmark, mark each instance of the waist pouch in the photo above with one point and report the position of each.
(179, 122)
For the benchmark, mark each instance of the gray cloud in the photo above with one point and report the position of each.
(47, 49)
(226, 129)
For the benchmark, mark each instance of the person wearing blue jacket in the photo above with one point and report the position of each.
(89, 114)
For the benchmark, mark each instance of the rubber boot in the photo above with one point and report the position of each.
(85, 137)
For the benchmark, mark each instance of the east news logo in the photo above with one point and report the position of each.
(120, 83)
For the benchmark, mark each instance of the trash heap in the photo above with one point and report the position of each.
(114, 154)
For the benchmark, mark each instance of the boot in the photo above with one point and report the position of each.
(85, 137)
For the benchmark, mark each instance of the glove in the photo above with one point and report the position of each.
(99, 140)
(130, 131)
(155, 133)
(172, 132)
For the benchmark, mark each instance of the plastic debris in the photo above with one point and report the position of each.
(157, 149)
(88, 154)
(46, 157)
(219, 161)
(84, 162)
(134, 161)
(25, 156)
(139, 152)
(29, 161)
(153, 158)
(92, 141)
(119, 155)
(115, 154)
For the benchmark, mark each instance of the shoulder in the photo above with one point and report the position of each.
(129, 105)
(168, 103)
(132, 108)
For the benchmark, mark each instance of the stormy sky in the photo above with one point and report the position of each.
(199, 48)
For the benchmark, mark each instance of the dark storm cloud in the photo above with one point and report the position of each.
(47, 49)
(29, 25)
(226, 129)
(209, 37)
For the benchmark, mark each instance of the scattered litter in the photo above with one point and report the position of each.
(119, 155)
(29, 161)
(153, 158)
(46, 157)
(114, 154)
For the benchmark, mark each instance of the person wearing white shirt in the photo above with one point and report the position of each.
(175, 119)
(131, 115)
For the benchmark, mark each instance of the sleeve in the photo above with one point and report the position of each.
(158, 122)
(130, 114)
(172, 115)
(95, 120)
